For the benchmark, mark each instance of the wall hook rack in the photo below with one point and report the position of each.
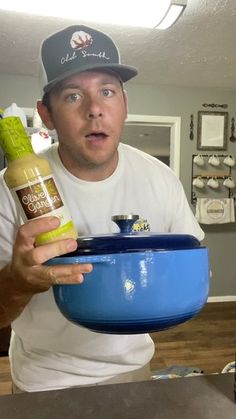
(207, 172)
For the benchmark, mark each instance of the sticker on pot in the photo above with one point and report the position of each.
(141, 225)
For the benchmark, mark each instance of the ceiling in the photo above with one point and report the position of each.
(198, 51)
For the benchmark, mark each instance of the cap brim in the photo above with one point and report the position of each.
(124, 72)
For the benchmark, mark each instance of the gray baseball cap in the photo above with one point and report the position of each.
(79, 48)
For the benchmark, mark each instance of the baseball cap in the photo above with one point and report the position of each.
(79, 48)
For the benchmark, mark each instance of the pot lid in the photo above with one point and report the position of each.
(128, 241)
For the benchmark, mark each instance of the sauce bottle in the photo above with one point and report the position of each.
(31, 182)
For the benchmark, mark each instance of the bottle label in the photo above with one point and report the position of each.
(39, 198)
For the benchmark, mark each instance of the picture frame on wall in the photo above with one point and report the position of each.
(212, 130)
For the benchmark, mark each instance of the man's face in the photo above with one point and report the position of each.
(88, 111)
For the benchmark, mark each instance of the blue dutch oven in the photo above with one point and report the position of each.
(140, 282)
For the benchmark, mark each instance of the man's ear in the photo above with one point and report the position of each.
(126, 103)
(45, 115)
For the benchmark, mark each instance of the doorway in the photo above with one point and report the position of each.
(166, 128)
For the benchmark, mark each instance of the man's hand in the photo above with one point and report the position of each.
(26, 269)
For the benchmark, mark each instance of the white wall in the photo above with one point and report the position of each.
(23, 90)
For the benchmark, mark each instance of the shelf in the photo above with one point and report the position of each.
(206, 175)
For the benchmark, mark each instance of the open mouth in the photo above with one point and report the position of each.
(96, 136)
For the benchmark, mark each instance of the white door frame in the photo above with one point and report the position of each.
(174, 122)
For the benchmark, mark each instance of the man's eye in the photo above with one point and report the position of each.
(107, 92)
(74, 97)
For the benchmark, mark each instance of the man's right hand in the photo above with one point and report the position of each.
(27, 268)
(26, 274)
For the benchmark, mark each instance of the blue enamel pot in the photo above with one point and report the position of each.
(140, 282)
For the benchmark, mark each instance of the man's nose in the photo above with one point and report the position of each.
(94, 109)
(94, 114)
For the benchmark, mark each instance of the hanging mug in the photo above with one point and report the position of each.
(213, 183)
(229, 182)
(198, 182)
(214, 160)
(229, 161)
(199, 160)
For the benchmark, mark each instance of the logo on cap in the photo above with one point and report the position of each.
(81, 40)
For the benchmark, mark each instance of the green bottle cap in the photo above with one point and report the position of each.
(14, 139)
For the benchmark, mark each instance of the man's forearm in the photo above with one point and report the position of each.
(12, 303)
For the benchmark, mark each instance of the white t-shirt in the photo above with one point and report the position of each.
(47, 351)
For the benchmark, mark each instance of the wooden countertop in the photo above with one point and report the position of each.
(200, 397)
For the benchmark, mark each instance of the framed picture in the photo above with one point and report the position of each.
(212, 130)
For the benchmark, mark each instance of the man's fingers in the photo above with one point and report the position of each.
(33, 258)
(39, 255)
(29, 261)
(65, 274)
(30, 230)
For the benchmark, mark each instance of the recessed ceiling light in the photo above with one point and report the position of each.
(149, 13)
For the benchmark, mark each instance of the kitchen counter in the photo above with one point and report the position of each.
(200, 397)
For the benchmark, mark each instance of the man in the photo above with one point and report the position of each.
(85, 102)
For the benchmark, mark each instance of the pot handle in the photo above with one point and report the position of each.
(81, 259)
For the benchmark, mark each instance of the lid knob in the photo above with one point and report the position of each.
(125, 222)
